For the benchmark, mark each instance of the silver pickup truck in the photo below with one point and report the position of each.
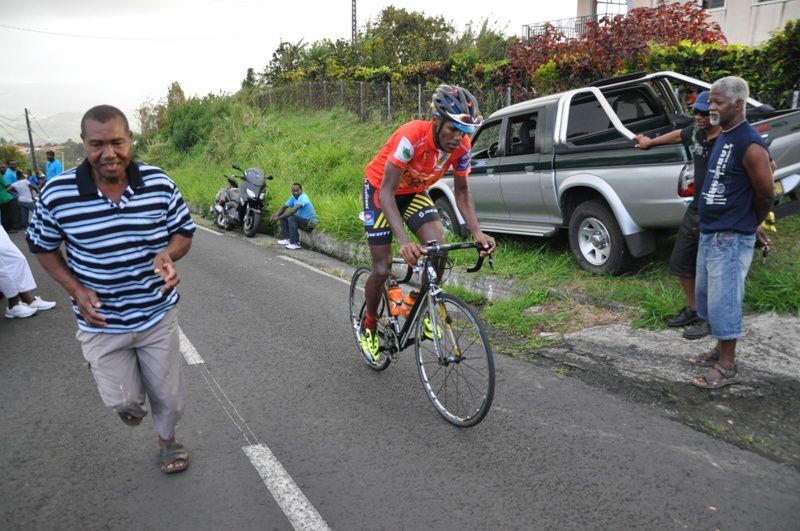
(566, 161)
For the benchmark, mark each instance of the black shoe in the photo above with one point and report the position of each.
(699, 330)
(686, 317)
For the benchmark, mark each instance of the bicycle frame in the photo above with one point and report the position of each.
(428, 293)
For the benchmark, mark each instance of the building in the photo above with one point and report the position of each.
(746, 22)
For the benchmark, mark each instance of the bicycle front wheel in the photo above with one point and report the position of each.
(358, 306)
(457, 370)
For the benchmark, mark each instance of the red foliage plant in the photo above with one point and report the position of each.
(607, 47)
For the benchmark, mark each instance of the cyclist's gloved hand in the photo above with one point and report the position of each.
(488, 243)
(411, 252)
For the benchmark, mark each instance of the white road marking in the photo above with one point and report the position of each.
(295, 505)
(189, 352)
(208, 230)
(312, 268)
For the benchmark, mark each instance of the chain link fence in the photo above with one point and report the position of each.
(374, 101)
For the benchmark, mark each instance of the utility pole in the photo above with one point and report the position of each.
(353, 34)
(30, 141)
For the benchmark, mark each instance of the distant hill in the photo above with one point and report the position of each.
(58, 128)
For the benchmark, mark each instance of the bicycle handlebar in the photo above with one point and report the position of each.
(433, 248)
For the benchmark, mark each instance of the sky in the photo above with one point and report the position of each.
(69, 55)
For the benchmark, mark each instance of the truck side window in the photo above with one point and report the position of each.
(523, 134)
(486, 142)
(587, 117)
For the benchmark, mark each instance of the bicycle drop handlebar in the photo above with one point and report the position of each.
(433, 248)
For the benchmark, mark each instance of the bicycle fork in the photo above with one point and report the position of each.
(438, 313)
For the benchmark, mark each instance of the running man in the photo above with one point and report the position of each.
(395, 190)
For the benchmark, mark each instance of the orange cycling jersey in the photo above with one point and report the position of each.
(412, 149)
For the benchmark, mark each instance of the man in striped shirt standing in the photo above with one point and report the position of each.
(123, 224)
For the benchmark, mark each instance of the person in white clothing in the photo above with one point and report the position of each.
(17, 283)
(22, 189)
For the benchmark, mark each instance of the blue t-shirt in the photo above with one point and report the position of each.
(10, 177)
(306, 210)
(53, 169)
(726, 202)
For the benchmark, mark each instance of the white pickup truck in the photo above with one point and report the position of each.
(566, 161)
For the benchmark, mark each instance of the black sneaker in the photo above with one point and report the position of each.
(686, 317)
(699, 330)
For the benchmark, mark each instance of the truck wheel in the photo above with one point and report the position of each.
(448, 216)
(596, 241)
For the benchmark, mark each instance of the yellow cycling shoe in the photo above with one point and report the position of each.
(427, 329)
(370, 344)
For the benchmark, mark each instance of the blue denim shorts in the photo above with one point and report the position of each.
(723, 259)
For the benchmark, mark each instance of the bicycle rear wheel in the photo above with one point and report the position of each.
(358, 305)
(459, 376)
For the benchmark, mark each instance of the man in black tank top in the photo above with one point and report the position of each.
(736, 196)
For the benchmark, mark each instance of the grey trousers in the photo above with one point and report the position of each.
(130, 367)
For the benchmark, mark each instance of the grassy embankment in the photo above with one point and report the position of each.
(326, 152)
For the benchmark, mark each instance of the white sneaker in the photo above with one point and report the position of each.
(284, 242)
(20, 311)
(293, 246)
(41, 304)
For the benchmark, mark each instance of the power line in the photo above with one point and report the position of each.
(20, 117)
(5, 123)
(130, 39)
(40, 127)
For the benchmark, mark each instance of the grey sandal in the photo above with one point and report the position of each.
(706, 359)
(170, 453)
(129, 419)
(727, 377)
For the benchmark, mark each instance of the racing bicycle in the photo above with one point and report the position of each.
(453, 354)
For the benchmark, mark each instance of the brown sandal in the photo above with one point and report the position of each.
(726, 377)
(706, 359)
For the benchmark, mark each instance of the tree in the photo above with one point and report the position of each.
(249, 81)
(606, 48)
(10, 152)
(286, 58)
(175, 95)
(401, 38)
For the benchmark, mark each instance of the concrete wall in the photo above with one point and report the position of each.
(743, 21)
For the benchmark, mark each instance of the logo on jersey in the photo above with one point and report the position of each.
(404, 150)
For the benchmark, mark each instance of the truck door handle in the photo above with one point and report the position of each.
(529, 168)
(490, 171)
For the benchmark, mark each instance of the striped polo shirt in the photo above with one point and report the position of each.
(111, 248)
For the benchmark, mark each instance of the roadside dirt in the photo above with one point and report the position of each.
(598, 346)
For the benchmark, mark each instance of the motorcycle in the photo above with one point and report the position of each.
(241, 203)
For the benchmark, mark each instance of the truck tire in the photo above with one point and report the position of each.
(448, 216)
(596, 240)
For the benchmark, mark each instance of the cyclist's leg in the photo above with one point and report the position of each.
(381, 269)
(379, 237)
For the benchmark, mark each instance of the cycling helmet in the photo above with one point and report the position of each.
(458, 105)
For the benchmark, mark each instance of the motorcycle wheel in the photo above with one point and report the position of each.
(221, 220)
(251, 223)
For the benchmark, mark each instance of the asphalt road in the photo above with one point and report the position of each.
(288, 428)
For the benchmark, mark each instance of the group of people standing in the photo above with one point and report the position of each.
(19, 190)
(733, 194)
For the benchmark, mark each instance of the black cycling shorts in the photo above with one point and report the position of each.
(417, 210)
(683, 260)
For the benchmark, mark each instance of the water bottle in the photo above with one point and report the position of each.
(410, 300)
(395, 299)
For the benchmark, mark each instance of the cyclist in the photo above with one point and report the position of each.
(395, 190)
